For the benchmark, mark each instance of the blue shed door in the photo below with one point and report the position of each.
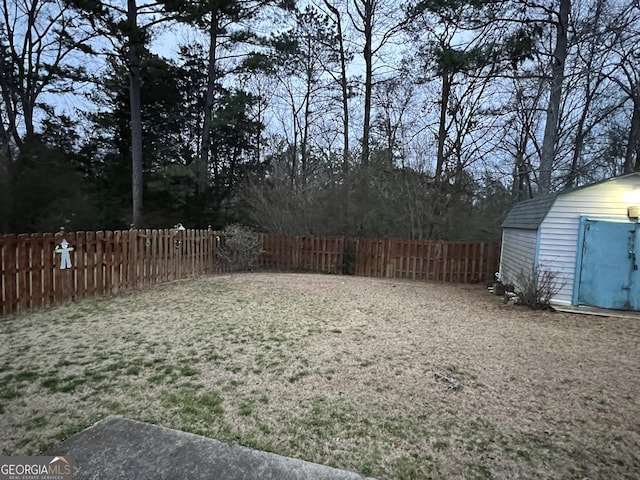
(609, 275)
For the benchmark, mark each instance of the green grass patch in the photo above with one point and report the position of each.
(76, 427)
(194, 407)
(35, 423)
(65, 385)
(118, 365)
(95, 376)
(51, 383)
(440, 445)
(188, 371)
(8, 393)
(157, 379)
(296, 377)
(245, 409)
(26, 376)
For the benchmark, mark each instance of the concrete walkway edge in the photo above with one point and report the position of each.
(120, 448)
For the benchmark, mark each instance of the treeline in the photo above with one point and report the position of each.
(364, 117)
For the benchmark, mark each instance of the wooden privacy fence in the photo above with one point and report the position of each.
(106, 262)
(31, 276)
(388, 258)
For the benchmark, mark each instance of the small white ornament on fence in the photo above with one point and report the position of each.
(65, 258)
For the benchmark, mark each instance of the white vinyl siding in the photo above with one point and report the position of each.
(560, 229)
(518, 254)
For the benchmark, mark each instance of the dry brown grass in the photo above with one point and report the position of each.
(336, 370)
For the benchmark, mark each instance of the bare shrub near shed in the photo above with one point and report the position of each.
(537, 288)
(241, 248)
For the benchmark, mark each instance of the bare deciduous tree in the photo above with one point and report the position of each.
(39, 43)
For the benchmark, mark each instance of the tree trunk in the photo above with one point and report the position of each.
(633, 142)
(345, 117)
(11, 115)
(294, 150)
(343, 86)
(442, 125)
(367, 20)
(6, 199)
(578, 145)
(27, 112)
(522, 180)
(203, 167)
(304, 144)
(345, 101)
(551, 128)
(135, 86)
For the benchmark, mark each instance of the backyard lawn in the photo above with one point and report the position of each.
(336, 370)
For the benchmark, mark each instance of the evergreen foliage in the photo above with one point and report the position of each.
(425, 121)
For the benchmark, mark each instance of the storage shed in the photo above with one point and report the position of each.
(587, 236)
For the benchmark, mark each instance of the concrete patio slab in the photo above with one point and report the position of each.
(120, 448)
(601, 312)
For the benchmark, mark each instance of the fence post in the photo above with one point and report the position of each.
(9, 274)
(37, 297)
(23, 272)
